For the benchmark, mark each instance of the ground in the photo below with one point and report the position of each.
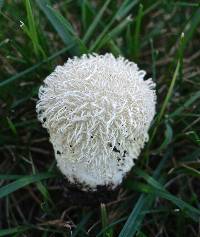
(160, 197)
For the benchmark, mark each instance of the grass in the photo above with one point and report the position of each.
(161, 195)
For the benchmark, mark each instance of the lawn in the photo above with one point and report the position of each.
(161, 194)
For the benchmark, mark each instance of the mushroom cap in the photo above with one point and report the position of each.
(97, 110)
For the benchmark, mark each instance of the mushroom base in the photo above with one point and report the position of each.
(75, 196)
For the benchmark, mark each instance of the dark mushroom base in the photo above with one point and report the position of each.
(75, 196)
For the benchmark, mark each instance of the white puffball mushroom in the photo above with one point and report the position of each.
(97, 110)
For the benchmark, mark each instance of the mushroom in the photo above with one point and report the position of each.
(97, 110)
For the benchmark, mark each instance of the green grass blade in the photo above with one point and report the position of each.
(111, 225)
(91, 11)
(66, 25)
(1, 3)
(152, 7)
(136, 39)
(81, 224)
(15, 230)
(31, 26)
(143, 203)
(22, 182)
(41, 187)
(114, 32)
(191, 27)
(152, 34)
(31, 30)
(161, 191)
(104, 221)
(64, 31)
(126, 6)
(12, 126)
(104, 217)
(165, 103)
(136, 217)
(10, 176)
(186, 208)
(181, 55)
(33, 68)
(186, 4)
(192, 156)
(86, 14)
(154, 58)
(5, 41)
(114, 49)
(187, 104)
(187, 170)
(168, 137)
(95, 22)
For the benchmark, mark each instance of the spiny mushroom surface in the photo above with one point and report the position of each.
(97, 110)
